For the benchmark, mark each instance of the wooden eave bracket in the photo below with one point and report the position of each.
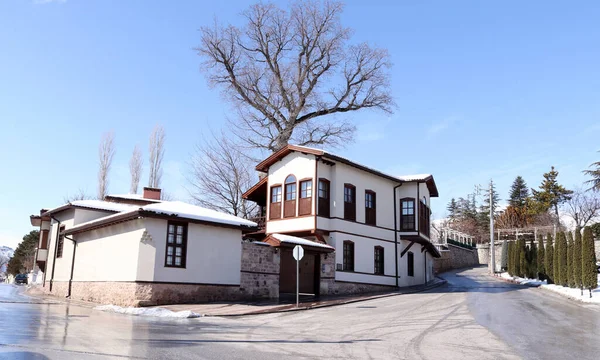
(406, 249)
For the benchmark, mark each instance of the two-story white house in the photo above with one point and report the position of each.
(378, 224)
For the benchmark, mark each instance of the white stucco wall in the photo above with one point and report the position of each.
(213, 255)
(62, 269)
(109, 253)
(302, 166)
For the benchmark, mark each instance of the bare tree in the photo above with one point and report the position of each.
(286, 70)
(157, 152)
(106, 152)
(583, 207)
(220, 173)
(79, 195)
(135, 169)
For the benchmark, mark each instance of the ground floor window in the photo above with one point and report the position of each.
(410, 260)
(379, 260)
(348, 256)
(176, 245)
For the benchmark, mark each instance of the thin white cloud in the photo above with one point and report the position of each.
(440, 126)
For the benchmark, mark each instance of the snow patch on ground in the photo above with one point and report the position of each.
(156, 312)
(565, 291)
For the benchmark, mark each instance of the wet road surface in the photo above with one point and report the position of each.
(472, 317)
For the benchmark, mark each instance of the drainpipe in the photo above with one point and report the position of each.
(55, 251)
(72, 265)
(396, 232)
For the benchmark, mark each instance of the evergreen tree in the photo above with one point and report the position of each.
(522, 258)
(589, 274)
(577, 259)
(518, 193)
(541, 274)
(511, 258)
(452, 209)
(549, 259)
(595, 174)
(561, 259)
(22, 260)
(531, 260)
(517, 258)
(551, 193)
(504, 261)
(570, 278)
(556, 269)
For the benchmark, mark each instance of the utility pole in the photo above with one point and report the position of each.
(492, 248)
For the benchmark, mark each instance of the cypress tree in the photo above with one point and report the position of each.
(561, 242)
(504, 262)
(549, 259)
(556, 269)
(532, 260)
(588, 261)
(522, 258)
(511, 258)
(577, 260)
(570, 278)
(517, 258)
(540, 258)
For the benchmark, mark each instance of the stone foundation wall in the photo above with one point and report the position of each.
(164, 293)
(259, 271)
(455, 257)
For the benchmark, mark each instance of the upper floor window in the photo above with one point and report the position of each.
(61, 242)
(305, 204)
(410, 262)
(407, 214)
(379, 268)
(349, 202)
(290, 188)
(348, 255)
(275, 206)
(176, 244)
(289, 205)
(370, 208)
(323, 197)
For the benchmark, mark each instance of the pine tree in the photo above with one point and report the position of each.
(519, 192)
(541, 273)
(570, 278)
(589, 273)
(504, 262)
(551, 193)
(595, 174)
(561, 259)
(522, 258)
(22, 260)
(549, 259)
(577, 259)
(452, 209)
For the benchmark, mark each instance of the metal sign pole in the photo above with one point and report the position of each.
(297, 283)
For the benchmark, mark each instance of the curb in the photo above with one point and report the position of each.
(342, 302)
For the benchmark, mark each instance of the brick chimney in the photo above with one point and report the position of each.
(151, 193)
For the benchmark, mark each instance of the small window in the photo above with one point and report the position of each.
(305, 189)
(349, 202)
(176, 245)
(61, 243)
(410, 261)
(370, 208)
(407, 215)
(276, 194)
(379, 269)
(323, 198)
(290, 188)
(348, 255)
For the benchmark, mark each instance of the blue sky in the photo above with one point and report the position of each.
(484, 90)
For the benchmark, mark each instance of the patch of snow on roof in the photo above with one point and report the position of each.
(100, 220)
(299, 241)
(103, 205)
(416, 177)
(189, 211)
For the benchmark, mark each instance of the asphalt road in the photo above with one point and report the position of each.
(472, 317)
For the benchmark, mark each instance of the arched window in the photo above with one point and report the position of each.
(289, 205)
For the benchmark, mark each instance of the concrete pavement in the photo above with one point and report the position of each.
(472, 317)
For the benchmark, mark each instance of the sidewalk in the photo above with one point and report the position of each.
(242, 309)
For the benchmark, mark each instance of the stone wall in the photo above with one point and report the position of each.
(483, 252)
(259, 271)
(455, 257)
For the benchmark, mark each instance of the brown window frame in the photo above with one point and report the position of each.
(289, 206)
(348, 255)
(410, 264)
(60, 245)
(350, 207)
(379, 262)
(275, 211)
(405, 219)
(175, 246)
(323, 202)
(370, 211)
(305, 198)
